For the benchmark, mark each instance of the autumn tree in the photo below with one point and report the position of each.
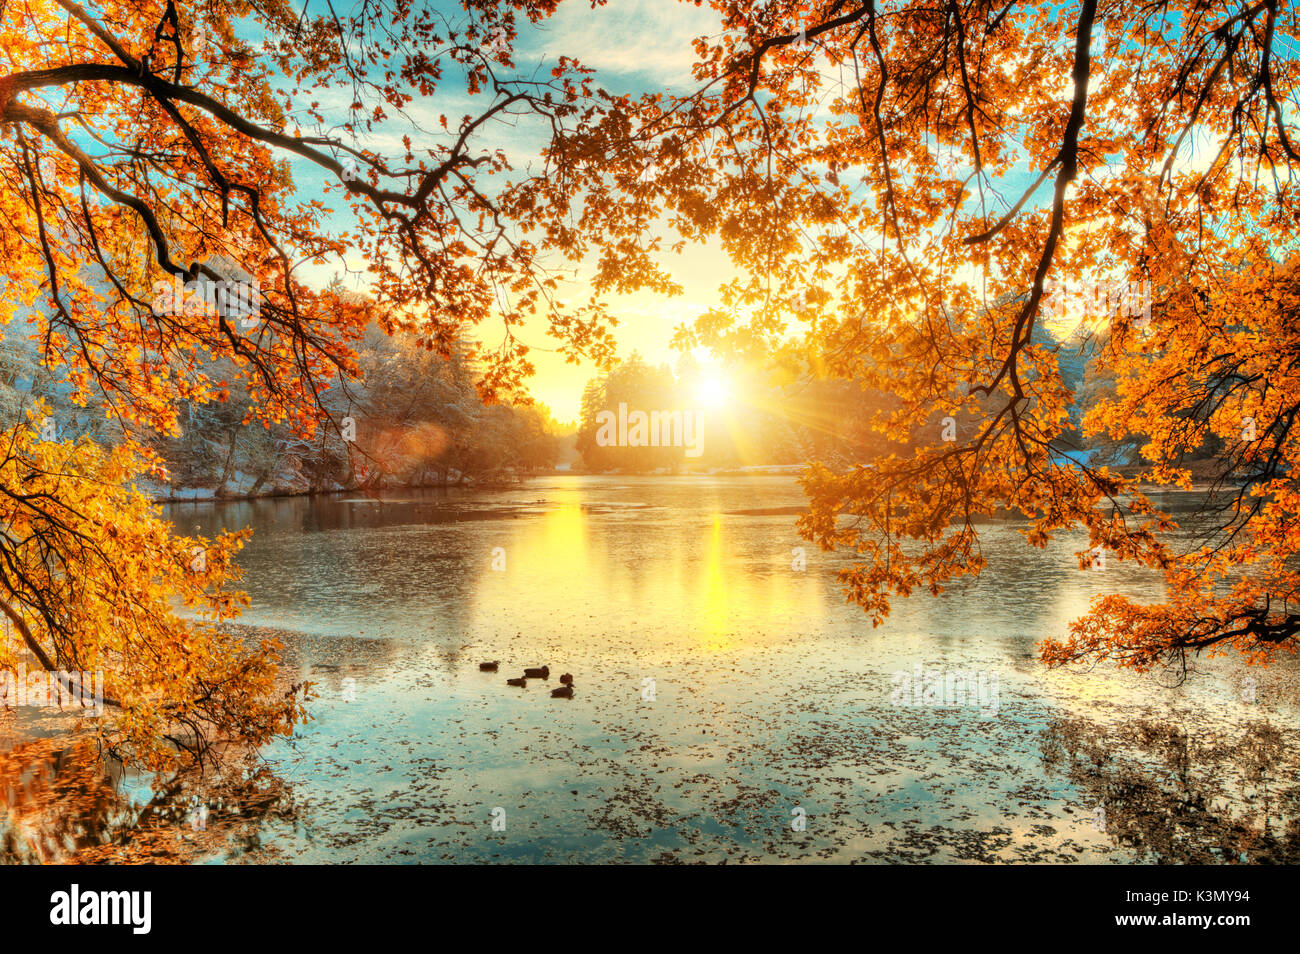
(904, 186)
(154, 234)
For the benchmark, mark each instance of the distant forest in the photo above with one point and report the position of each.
(414, 419)
(783, 413)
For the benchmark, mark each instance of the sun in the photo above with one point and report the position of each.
(712, 392)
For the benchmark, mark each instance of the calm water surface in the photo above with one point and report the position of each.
(728, 705)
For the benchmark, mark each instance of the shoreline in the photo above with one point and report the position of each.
(210, 495)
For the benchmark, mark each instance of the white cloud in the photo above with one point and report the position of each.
(649, 40)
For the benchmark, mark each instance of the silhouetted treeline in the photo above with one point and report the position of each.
(755, 421)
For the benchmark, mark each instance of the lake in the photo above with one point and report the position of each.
(729, 705)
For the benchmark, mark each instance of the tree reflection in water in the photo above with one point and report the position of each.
(1176, 797)
(64, 802)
